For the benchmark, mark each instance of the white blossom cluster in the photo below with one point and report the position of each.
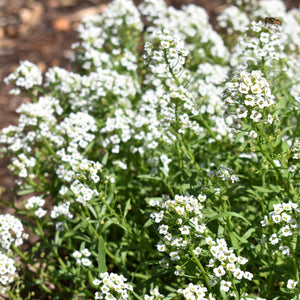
(296, 150)
(23, 165)
(11, 234)
(233, 19)
(83, 92)
(165, 53)
(35, 203)
(154, 295)
(191, 22)
(193, 291)
(7, 271)
(42, 114)
(176, 237)
(224, 173)
(82, 257)
(107, 31)
(61, 210)
(180, 223)
(112, 286)
(262, 43)
(285, 220)
(26, 76)
(247, 97)
(83, 193)
(226, 264)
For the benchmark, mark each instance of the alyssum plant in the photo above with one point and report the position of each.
(165, 165)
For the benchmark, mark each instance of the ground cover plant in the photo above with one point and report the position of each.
(165, 165)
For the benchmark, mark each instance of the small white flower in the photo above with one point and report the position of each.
(225, 285)
(274, 239)
(86, 262)
(86, 252)
(219, 271)
(248, 275)
(291, 284)
(286, 231)
(253, 134)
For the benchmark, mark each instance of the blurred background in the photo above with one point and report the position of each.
(42, 32)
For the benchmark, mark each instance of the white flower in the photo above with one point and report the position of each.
(86, 252)
(238, 274)
(219, 271)
(274, 239)
(286, 231)
(76, 254)
(86, 262)
(291, 284)
(248, 275)
(225, 285)
(253, 134)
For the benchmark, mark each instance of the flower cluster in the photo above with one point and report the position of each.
(191, 23)
(247, 97)
(112, 286)
(182, 228)
(61, 210)
(132, 122)
(26, 76)
(296, 150)
(7, 271)
(83, 92)
(11, 232)
(165, 54)
(82, 257)
(285, 219)
(107, 31)
(261, 46)
(193, 291)
(35, 203)
(233, 19)
(176, 235)
(224, 173)
(225, 264)
(154, 295)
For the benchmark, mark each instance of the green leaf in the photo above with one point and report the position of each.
(239, 136)
(127, 207)
(26, 190)
(247, 234)
(104, 159)
(150, 177)
(262, 189)
(148, 223)
(228, 214)
(234, 239)
(101, 256)
(170, 296)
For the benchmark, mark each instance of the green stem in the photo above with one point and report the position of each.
(289, 189)
(198, 263)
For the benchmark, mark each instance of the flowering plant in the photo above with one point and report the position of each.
(165, 165)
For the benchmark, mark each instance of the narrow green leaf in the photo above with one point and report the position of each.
(228, 214)
(101, 256)
(262, 189)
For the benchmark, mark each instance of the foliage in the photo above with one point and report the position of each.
(165, 165)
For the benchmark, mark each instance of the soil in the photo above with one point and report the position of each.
(42, 32)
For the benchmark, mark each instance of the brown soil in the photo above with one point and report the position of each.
(42, 32)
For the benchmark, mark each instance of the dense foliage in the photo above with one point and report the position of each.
(165, 165)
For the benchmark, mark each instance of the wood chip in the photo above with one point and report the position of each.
(61, 24)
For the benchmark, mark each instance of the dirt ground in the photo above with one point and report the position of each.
(42, 32)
